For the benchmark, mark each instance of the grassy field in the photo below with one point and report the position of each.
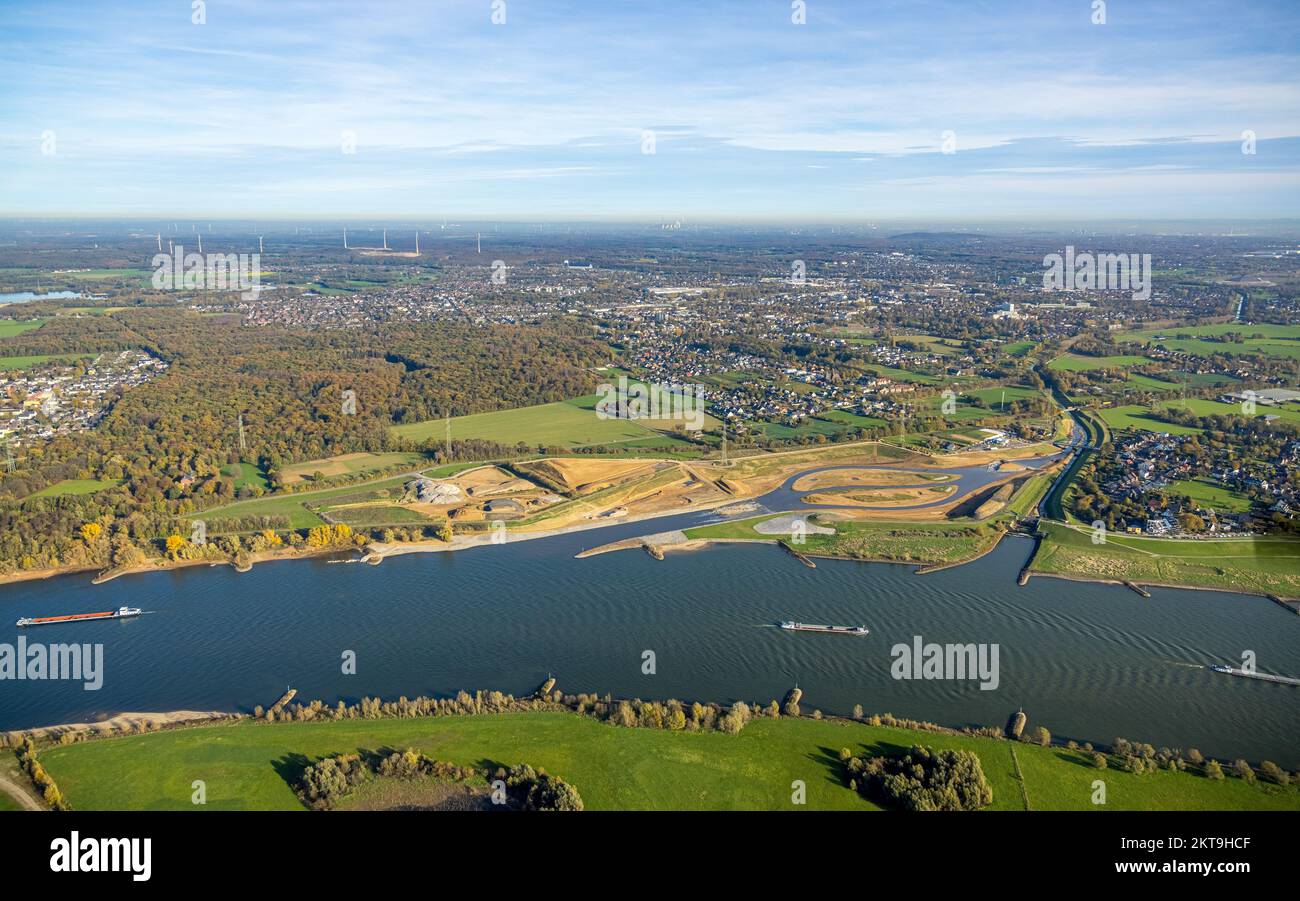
(252, 765)
(571, 423)
(349, 464)
(371, 515)
(1080, 363)
(902, 375)
(1212, 494)
(1254, 565)
(1270, 340)
(994, 396)
(247, 474)
(854, 420)
(1029, 494)
(76, 486)
(1136, 416)
(11, 327)
(1139, 380)
(1202, 407)
(811, 425)
(901, 542)
(23, 362)
(293, 505)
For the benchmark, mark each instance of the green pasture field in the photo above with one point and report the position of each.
(246, 474)
(11, 327)
(993, 396)
(76, 486)
(1137, 417)
(902, 375)
(1212, 494)
(855, 420)
(368, 515)
(1080, 363)
(24, 362)
(1251, 565)
(251, 765)
(293, 504)
(901, 542)
(1268, 339)
(356, 465)
(1153, 384)
(571, 423)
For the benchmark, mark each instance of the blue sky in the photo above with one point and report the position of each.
(752, 116)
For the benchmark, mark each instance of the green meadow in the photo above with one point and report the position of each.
(11, 327)
(570, 423)
(1080, 363)
(251, 766)
(25, 362)
(1251, 565)
(918, 543)
(75, 486)
(247, 474)
(1268, 339)
(1212, 494)
(994, 396)
(1135, 416)
(902, 375)
(1145, 381)
(293, 504)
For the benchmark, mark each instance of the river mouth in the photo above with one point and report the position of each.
(1088, 661)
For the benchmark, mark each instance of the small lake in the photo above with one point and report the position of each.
(22, 296)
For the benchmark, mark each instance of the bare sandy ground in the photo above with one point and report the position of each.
(883, 497)
(124, 722)
(868, 476)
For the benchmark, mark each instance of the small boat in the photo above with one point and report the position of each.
(792, 626)
(119, 613)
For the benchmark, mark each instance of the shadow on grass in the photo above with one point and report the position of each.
(1077, 758)
(290, 768)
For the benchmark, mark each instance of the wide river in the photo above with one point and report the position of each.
(1090, 662)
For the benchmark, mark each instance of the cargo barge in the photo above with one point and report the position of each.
(119, 613)
(792, 626)
(1266, 677)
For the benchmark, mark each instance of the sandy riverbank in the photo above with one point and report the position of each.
(123, 722)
